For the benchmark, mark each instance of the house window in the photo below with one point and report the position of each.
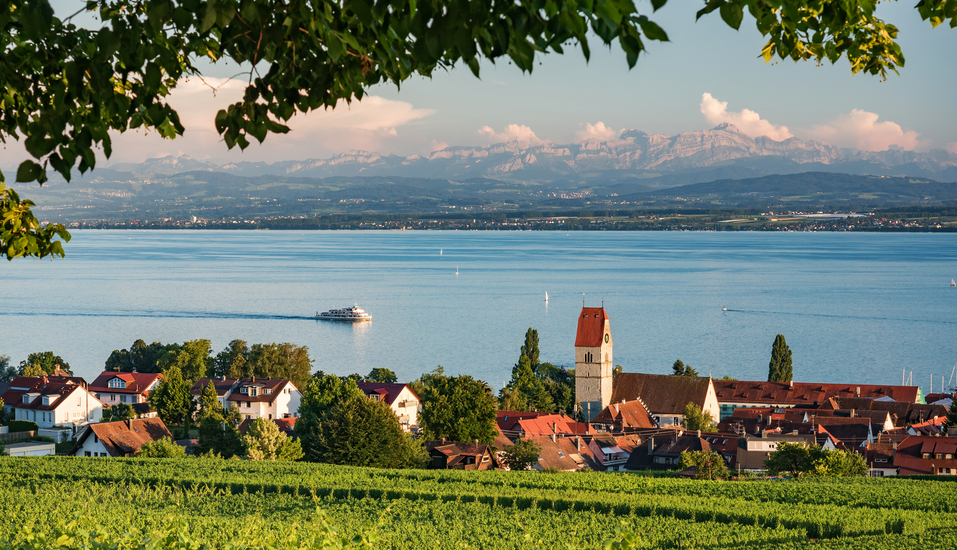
(112, 397)
(486, 459)
(939, 456)
(925, 455)
(87, 453)
(117, 383)
(123, 398)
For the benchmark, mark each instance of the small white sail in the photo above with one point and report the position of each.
(953, 283)
(546, 296)
(440, 252)
(456, 270)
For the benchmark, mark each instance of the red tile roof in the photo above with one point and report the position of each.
(591, 327)
(909, 457)
(60, 390)
(136, 382)
(797, 393)
(222, 385)
(627, 415)
(277, 385)
(508, 420)
(389, 391)
(124, 438)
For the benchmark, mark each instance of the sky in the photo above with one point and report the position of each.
(708, 74)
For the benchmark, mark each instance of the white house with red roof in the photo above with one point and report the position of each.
(399, 397)
(52, 401)
(112, 388)
(593, 361)
(119, 439)
(269, 398)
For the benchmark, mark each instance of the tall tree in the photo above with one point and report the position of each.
(680, 369)
(696, 419)
(7, 371)
(530, 348)
(382, 375)
(285, 360)
(171, 399)
(221, 436)
(458, 408)
(952, 417)
(193, 359)
(43, 363)
(779, 368)
(209, 405)
(232, 362)
(75, 86)
(139, 358)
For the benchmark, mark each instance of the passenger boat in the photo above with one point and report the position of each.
(351, 314)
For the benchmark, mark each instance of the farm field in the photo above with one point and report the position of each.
(148, 503)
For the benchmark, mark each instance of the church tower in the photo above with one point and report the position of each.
(593, 361)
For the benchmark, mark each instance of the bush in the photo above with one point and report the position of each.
(163, 448)
(22, 426)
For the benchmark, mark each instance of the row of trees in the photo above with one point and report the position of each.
(195, 360)
(36, 364)
(793, 459)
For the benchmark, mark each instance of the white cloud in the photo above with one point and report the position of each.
(436, 146)
(748, 121)
(513, 132)
(597, 131)
(861, 130)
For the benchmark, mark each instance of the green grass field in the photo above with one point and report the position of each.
(142, 503)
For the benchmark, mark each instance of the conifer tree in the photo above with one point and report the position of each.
(779, 369)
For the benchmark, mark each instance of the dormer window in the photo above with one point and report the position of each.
(242, 389)
(117, 383)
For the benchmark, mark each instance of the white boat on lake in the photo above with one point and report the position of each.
(351, 314)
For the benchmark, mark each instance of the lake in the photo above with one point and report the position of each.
(853, 307)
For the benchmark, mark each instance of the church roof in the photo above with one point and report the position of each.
(661, 393)
(591, 327)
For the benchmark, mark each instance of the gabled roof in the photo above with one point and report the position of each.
(798, 393)
(125, 437)
(909, 457)
(277, 385)
(389, 392)
(544, 425)
(627, 415)
(136, 382)
(591, 327)
(222, 385)
(32, 384)
(661, 393)
(508, 420)
(57, 393)
(565, 453)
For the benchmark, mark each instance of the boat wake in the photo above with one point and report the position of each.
(164, 315)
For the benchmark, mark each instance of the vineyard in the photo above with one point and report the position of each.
(142, 503)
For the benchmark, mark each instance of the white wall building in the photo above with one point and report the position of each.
(57, 404)
(400, 398)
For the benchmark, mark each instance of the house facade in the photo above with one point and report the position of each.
(926, 455)
(119, 439)
(400, 398)
(113, 388)
(269, 398)
(51, 401)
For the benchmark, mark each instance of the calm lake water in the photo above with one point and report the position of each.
(853, 307)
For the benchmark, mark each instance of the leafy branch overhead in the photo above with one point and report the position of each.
(64, 88)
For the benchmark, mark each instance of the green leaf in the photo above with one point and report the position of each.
(732, 14)
(28, 171)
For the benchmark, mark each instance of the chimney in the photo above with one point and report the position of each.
(651, 446)
(578, 443)
(129, 424)
(699, 434)
(554, 438)
(769, 420)
(858, 391)
(791, 386)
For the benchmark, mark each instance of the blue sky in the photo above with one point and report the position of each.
(664, 94)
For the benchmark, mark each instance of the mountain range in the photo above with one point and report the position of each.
(653, 160)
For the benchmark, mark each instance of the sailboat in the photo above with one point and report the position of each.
(440, 252)
(456, 270)
(546, 297)
(953, 283)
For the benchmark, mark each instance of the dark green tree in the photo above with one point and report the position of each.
(7, 371)
(209, 405)
(232, 362)
(139, 358)
(286, 360)
(121, 411)
(458, 408)
(220, 437)
(779, 369)
(680, 369)
(522, 455)
(952, 416)
(381, 375)
(530, 348)
(43, 363)
(171, 399)
(696, 419)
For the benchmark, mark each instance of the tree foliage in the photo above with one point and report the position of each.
(220, 437)
(65, 88)
(710, 464)
(381, 375)
(952, 415)
(523, 455)
(7, 371)
(535, 385)
(265, 441)
(161, 448)
(779, 368)
(680, 369)
(799, 460)
(140, 357)
(696, 419)
(458, 408)
(231, 362)
(209, 405)
(43, 363)
(171, 399)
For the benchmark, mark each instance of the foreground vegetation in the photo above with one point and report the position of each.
(299, 505)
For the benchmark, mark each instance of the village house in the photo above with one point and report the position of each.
(625, 417)
(753, 450)
(737, 394)
(611, 453)
(119, 439)
(926, 455)
(564, 454)
(52, 401)
(663, 451)
(399, 397)
(528, 425)
(268, 398)
(665, 396)
(112, 388)
(456, 455)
